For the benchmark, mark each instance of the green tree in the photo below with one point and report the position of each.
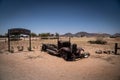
(52, 35)
(44, 34)
(33, 34)
(56, 34)
(6, 34)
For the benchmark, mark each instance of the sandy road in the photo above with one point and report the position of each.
(38, 65)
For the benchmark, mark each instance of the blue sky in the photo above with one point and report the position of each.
(62, 16)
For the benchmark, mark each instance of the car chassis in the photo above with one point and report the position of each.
(66, 50)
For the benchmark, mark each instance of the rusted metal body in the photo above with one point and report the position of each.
(65, 49)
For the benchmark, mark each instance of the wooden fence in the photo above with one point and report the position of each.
(116, 48)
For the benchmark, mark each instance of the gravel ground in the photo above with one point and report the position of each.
(37, 65)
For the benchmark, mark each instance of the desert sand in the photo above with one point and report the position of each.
(37, 65)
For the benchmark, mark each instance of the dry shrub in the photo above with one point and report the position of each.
(99, 40)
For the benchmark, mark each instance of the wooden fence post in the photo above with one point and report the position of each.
(116, 48)
(8, 40)
(116, 45)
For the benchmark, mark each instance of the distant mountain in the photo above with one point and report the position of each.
(82, 34)
(116, 35)
(103, 34)
(68, 34)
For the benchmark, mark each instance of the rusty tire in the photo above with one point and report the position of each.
(64, 56)
(73, 57)
(44, 47)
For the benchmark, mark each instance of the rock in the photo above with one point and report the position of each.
(98, 51)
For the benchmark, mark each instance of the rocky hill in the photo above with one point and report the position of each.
(82, 34)
(116, 35)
